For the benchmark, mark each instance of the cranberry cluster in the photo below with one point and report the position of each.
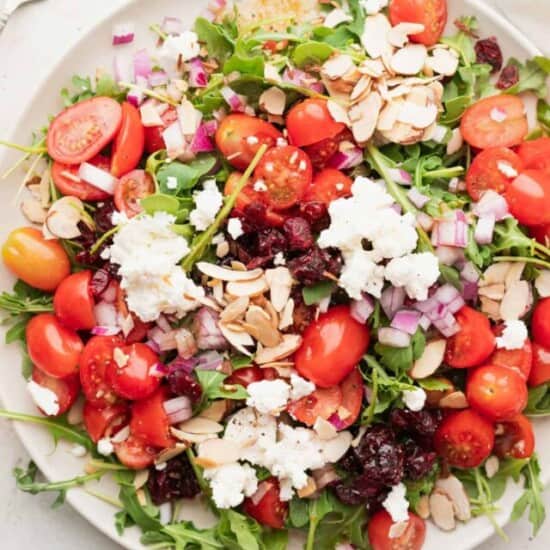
(102, 221)
(182, 382)
(177, 480)
(488, 51)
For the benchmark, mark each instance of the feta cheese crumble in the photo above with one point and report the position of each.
(279, 259)
(373, 7)
(208, 203)
(414, 399)
(44, 398)
(396, 504)
(300, 387)
(513, 336)
(268, 396)
(416, 272)
(105, 447)
(231, 483)
(235, 228)
(185, 45)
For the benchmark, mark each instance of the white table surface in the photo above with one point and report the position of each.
(34, 38)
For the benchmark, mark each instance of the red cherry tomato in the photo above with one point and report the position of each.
(240, 136)
(352, 398)
(540, 372)
(536, 153)
(323, 402)
(265, 506)
(66, 389)
(541, 233)
(518, 359)
(496, 121)
(130, 374)
(104, 421)
(379, 533)
(474, 342)
(430, 13)
(287, 173)
(66, 179)
(150, 421)
(464, 438)
(80, 132)
(134, 453)
(245, 376)
(331, 347)
(73, 301)
(129, 143)
(540, 322)
(328, 185)
(485, 172)
(515, 438)
(139, 328)
(53, 348)
(499, 393)
(528, 197)
(153, 135)
(321, 152)
(130, 189)
(94, 361)
(310, 122)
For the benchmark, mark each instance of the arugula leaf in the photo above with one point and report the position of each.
(187, 175)
(160, 202)
(314, 294)
(25, 299)
(311, 53)
(238, 532)
(243, 61)
(240, 361)
(219, 45)
(211, 382)
(400, 360)
(84, 88)
(538, 402)
(275, 539)
(358, 24)
(462, 41)
(543, 113)
(532, 76)
(184, 535)
(418, 488)
(434, 384)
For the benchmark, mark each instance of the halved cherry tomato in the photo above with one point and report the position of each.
(518, 359)
(498, 393)
(352, 398)
(473, 343)
(129, 143)
(485, 171)
(80, 132)
(541, 233)
(245, 376)
(106, 420)
(464, 438)
(66, 179)
(430, 13)
(540, 322)
(130, 189)
(66, 389)
(131, 375)
(323, 402)
(496, 121)
(515, 438)
(528, 197)
(379, 533)
(153, 135)
(540, 372)
(328, 185)
(73, 301)
(94, 361)
(139, 327)
(287, 173)
(150, 421)
(321, 152)
(331, 347)
(310, 121)
(240, 136)
(536, 153)
(38, 262)
(53, 348)
(135, 453)
(265, 506)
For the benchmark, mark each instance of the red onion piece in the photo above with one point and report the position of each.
(302, 79)
(172, 25)
(187, 365)
(469, 290)
(344, 160)
(448, 325)
(159, 370)
(325, 475)
(123, 33)
(109, 294)
(153, 345)
(201, 141)
(207, 331)
(158, 78)
(427, 305)
(98, 178)
(362, 309)
(122, 68)
(450, 233)
(424, 323)
(263, 488)
(173, 139)
(391, 300)
(210, 360)
(446, 294)
(336, 421)
(406, 320)
(163, 324)
(417, 198)
(424, 221)
(491, 203)
(457, 304)
(485, 229)
(470, 273)
(210, 127)
(402, 177)
(135, 95)
(106, 314)
(178, 409)
(449, 255)
(236, 102)
(394, 338)
(105, 331)
(143, 66)
(198, 77)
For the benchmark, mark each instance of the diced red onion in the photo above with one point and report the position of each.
(325, 475)
(302, 79)
(428, 305)
(158, 78)
(109, 294)
(210, 127)
(172, 25)
(454, 185)
(485, 229)
(447, 325)
(173, 92)
(207, 331)
(470, 273)
(449, 255)
(153, 345)
(163, 324)
(158, 370)
(424, 221)
(424, 322)
(450, 233)
(150, 117)
(106, 314)
(236, 102)
(135, 95)
(362, 309)
(143, 66)
(178, 409)
(122, 68)
(210, 360)
(201, 141)
(402, 177)
(344, 160)
(392, 300)
(469, 290)
(105, 331)
(336, 421)
(173, 139)
(123, 33)
(394, 338)
(417, 198)
(97, 177)
(493, 203)
(445, 294)
(456, 305)
(198, 77)
(406, 320)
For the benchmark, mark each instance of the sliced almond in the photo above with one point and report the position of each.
(388, 116)
(271, 74)
(334, 449)
(404, 134)
(336, 17)
(64, 216)
(452, 488)
(492, 466)
(441, 511)
(495, 273)
(514, 273)
(239, 340)
(375, 35)
(290, 343)
(454, 400)
(430, 360)
(423, 507)
(238, 266)
(272, 312)
(409, 60)
(324, 429)
(168, 454)
(456, 141)
(494, 292)
(45, 188)
(372, 67)
(337, 66)
(216, 411)
(280, 283)
(188, 437)
(140, 479)
(516, 301)
(224, 274)
(542, 283)
(364, 116)
(257, 319)
(273, 101)
(200, 425)
(443, 61)
(398, 36)
(287, 315)
(308, 489)
(247, 288)
(33, 211)
(416, 115)
(337, 112)
(217, 294)
(235, 309)
(362, 87)
(219, 451)
(491, 308)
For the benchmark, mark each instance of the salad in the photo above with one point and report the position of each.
(292, 264)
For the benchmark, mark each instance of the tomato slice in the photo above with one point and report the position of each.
(528, 197)
(430, 13)
(496, 121)
(515, 438)
(66, 389)
(520, 360)
(130, 189)
(328, 185)
(80, 132)
(134, 453)
(129, 143)
(540, 322)
(540, 372)
(66, 179)
(73, 302)
(379, 533)
(352, 398)
(323, 402)
(322, 152)
(153, 134)
(536, 153)
(150, 421)
(245, 376)
(102, 421)
(265, 506)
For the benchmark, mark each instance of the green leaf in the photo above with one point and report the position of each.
(538, 402)
(186, 535)
(238, 532)
(107, 87)
(160, 202)
(400, 360)
(298, 512)
(316, 293)
(240, 361)
(358, 24)
(418, 488)
(17, 331)
(532, 77)
(244, 61)
(434, 384)
(218, 43)
(211, 382)
(187, 175)
(311, 53)
(275, 539)
(25, 299)
(463, 42)
(543, 112)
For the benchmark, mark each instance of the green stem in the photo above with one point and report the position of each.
(32, 150)
(444, 173)
(156, 29)
(150, 93)
(541, 248)
(105, 498)
(373, 398)
(311, 534)
(108, 466)
(204, 240)
(534, 261)
(107, 235)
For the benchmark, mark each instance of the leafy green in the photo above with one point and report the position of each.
(543, 113)
(400, 360)
(434, 384)
(160, 202)
(316, 293)
(418, 488)
(538, 402)
(244, 61)
(212, 381)
(532, 76)
(187, 175)
(25, 299)
(358, 24)
(84, 89)
(463, 41)
(219, 45)
(311, 53)
(238, 532)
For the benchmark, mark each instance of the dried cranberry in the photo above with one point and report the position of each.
(303, 315)
(422, 423)
(508, 77)
(270, 242)
(100, 281)
(488, 51)
(103, 216)
(254, 216)
(298, 233)
(316, 214)
(418, 461)
(309, 268)
(176, 481)
(184, 383)
(350, 463)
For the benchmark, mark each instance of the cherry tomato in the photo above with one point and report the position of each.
(102, 421)
(265, 506)
(130, 372)
(310, 122)
(245, 376)
(331, 347)
(473, 343)
(496, 121)
(328, 185)
(518, 359)
(94, 361)
(515, 438)
(484, 172)
(130, 189)
(66, 389)
(38, 262)
(540, 322)
(129, 143)
(150, 421)
(540, 372)
(74, 303)
(153, 135)
(321, 152)
(139, 328)
(80, 132)
(53, 348)
(287, 173)
(528, 197)
(430, 13)
(323, 402)
(541, 233)
(379, 533)
(464, 439)
(67, 180)
(240, 136)
(134, 453)
(536, 153)
(352, 398)
(499, 393)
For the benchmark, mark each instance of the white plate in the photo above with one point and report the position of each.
(93, 50)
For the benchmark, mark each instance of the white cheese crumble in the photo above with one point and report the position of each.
(268, 396)
(506, 169)
(373, 6)
(79, 451)
(172, 182)
(208, 203)
(44, 398)
(396, 504)
(231, 483)
(105, 447)
(415, 272)
(279, 259)
(300, 387)
(513, 336)
(235, 228)
(414, 399)
(185, 45)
